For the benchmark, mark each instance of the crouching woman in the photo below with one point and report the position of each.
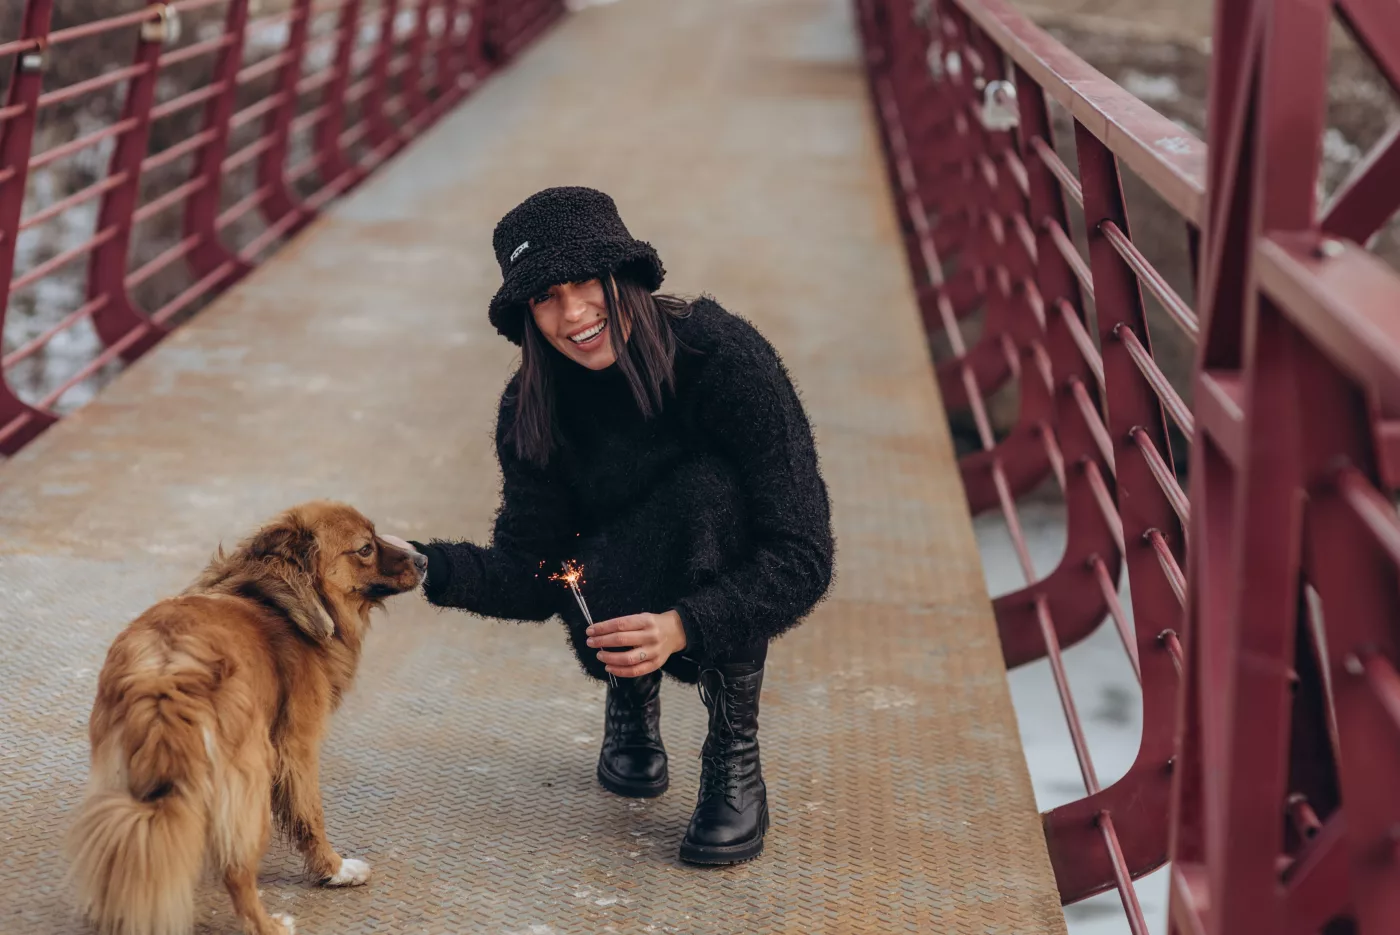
(662, 446)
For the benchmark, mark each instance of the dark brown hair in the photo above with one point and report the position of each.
(643, 342)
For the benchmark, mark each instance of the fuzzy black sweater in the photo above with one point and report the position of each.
(715, 508)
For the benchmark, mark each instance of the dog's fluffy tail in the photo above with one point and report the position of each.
(138, 845)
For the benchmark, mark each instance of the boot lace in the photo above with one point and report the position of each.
(718, 777)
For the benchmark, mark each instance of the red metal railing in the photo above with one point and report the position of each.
(1267, 651)
(229, 140)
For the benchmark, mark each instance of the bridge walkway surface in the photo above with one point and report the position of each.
(358, 364)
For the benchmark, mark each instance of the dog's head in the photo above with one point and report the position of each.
(321, 564)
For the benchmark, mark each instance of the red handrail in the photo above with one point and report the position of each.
(1267, 651)
(292, 110)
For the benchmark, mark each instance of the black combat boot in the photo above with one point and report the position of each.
(731, 814)
(633, 761)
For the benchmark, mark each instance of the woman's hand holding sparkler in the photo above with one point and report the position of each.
(652, 638)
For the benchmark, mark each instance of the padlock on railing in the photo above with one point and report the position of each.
(36, 60)
(934, 56)
(999, 111)
(165, 28)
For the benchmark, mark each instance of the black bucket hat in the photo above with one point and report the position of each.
(563, 235)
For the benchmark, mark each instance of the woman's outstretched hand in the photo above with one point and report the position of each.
(652, 638)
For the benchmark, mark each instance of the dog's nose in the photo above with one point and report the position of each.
(420, 561)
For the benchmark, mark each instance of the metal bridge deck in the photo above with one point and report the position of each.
(358, 364)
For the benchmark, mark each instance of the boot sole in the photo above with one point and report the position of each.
(714, 856)
(632, 789)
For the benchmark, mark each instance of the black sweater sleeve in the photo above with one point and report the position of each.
(510, 578)
(749, 410)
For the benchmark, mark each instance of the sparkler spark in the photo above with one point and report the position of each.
(573, 577)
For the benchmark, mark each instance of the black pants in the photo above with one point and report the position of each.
(682, 535)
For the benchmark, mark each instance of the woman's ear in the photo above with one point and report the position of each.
(288, 558)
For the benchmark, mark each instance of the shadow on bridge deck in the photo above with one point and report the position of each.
(358, 364)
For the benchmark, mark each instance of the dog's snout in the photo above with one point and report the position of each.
(420, 561)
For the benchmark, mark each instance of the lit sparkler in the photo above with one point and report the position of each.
(573, 577)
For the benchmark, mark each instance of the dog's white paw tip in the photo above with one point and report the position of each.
(286, 921)
(352, 872)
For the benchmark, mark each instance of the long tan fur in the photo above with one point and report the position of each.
(209, 715)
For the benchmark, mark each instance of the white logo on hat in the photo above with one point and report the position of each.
(519, 250)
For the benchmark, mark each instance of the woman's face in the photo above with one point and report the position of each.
(574, 318)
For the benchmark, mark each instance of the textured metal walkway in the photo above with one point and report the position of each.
(737, 137)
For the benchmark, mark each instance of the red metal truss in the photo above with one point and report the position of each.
(1281, 621)
(352, 80)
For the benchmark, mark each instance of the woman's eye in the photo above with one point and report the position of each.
(542, 298)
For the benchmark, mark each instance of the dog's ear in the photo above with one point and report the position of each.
(288, 554)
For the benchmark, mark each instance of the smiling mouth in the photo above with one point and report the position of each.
(587, 335)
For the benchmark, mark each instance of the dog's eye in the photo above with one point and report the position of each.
(367, 550)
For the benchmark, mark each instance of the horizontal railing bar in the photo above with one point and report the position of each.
(73, 200)
(59, 95)
(1104, 498)
(180, 56)
(81, 143)
(1057, 167)
(1053, 453)
(310, 119)
(1175, 307)
(161, 261)
(261, 242)
(241, 207)
(113, 351)
(1093, 420)
(253, 111)
(68, 321)
(181, 301)
(247, 154)
(1109, 590)
(1163, 474)
(304, 168)
(186, 101)
(172, 197)
(1147, 366)
(1082, 340)
(1168, 562)
(1137, 922)
(182, 148)
(1061, 679)
(250, 73)
(315, 81)
(1070, 252)
(63, 259)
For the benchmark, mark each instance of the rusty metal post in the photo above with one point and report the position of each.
(335, 161)
(411, 78)
(383, 135)
(116, 318)
(19, 422)
(210, 259)
(277, 127)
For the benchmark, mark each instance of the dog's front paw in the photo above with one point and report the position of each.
(289, 925)
(351, 873)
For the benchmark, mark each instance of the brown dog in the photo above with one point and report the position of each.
(211, 707)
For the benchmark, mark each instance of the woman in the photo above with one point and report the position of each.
(660, 445)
